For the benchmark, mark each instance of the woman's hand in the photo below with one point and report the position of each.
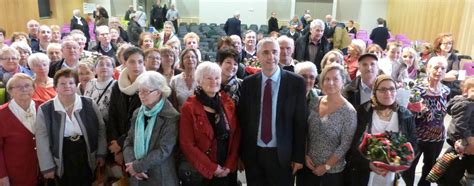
(129, 169)
(218, 171)
(4, 181)
(114, 147)
(225, 173)
(416, 107)
(309, 163)
(377, 170)
(118, 157)
(49, 175)
(319, 170)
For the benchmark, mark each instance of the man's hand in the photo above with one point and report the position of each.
(296, 166)
(377, 170)
(49, 175)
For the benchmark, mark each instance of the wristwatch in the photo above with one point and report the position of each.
(327, 167)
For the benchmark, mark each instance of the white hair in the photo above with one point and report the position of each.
(206, 68)
(154, 80)
(315, 23)
(266, 40)
(38, 57)
(305, 66)
(21, 45)
(76, 12)
(435, 60)
(102, 28)
(53, 46)
(285, 38)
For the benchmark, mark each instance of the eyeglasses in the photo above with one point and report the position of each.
(385, 90)
(157, 58)
(10, 59)
(24, 87)
(448, 43)
(145, 92)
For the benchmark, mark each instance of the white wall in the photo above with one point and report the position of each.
(104, 3)
(188, 8)
(318, 9)
(364, 12)
(217, 11)
(281, 7)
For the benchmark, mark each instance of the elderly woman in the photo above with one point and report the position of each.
(429, 117)
(410, 59)
(44, 89)
(21, 37)
(146, 41)
(331, 57)
(331, 126)
(85, 72)
(100, 89)
(168, 61)
(115, 36)
(152, 59)
(175, 44)
(354, 51)
(183, 84)
(18, 162)
(149, 146)
(70, 134)
(24, 50)
(382, 113)
(54, 52)
(227, 58)
(9, 65)
(209, 136)
(308, 70)
(123, 101)
(166, 34)
(191, 40)
(375, 49)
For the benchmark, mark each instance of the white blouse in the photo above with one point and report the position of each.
(26, 117)
(179, 86)
(71, 125)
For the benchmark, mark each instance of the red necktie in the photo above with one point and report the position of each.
(266, 130)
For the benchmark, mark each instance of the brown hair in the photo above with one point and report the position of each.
(142, 37)
(67, 72)
(468, 83)
(439, 39)
(225, 40)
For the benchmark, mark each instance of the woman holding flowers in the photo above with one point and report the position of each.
(379, 115)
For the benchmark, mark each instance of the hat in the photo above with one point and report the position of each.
(366, 55)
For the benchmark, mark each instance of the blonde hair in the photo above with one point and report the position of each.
(16, 77)
(333, 66)
(416, 58)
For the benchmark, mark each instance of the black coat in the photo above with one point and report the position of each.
(134, 30)
(232, 27)
(352, 92)
(380, 36)
(84, 27)
(295, 36)
(302, 51)
(356, 163)
(121, 111)
(291, 115)
(273, 25)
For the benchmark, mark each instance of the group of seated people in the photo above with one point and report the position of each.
(277, 108)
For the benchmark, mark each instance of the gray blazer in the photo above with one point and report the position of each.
(159, 162)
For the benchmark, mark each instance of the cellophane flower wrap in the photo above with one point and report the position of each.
(389, 150)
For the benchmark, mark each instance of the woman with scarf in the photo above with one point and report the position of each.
(382, 113)
(148, 148)
(227, 58)
(123, 101)
(209, 136)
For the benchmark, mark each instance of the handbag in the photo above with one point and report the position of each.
(187, 174)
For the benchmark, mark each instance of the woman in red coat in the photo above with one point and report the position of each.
(18, 160)
(208, 133)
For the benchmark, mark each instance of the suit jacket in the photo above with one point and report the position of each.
(158, 162)
(273, 25)
(379, 36)
(302, 51)
(291, 116)
(232, 27)
(84, 27)
(197, 140)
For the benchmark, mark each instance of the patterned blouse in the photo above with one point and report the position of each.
(94, 89)
(178, 85)
(429, 122)
(330, 134)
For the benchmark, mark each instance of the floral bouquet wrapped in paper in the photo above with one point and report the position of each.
(389, 150)
(252, 65)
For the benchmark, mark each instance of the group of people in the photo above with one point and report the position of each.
(164, 116)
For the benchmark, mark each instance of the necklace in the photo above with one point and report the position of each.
(386, 115)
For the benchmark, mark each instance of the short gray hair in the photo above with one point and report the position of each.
(205, 68)
(38, 57)
(287, 39)
(18, 45)
(315, 23)
(101, 29)
(305, 66)
(10, 50)
(266, 40)
(154, 80)
(436, 59)
(169, 23)
(53, 46)
(76, 12)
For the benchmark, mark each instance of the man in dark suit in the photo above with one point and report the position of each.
(273, 23)
(312, 46)
(79, 23)
(328, 29)
(380, 34)
(272, 113)
(232, 25)
(157, 16)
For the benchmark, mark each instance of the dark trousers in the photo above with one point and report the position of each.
(267, 171)
(229, 180)
(430, 151)
(305, 177)
(457, 170)
(76, 164)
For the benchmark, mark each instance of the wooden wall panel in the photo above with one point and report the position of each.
(425, 19)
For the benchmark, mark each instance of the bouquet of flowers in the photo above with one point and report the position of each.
(252, 66)
(389, 150)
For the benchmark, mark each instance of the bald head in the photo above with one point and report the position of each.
(33, 27)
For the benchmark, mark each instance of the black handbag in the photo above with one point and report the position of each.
(187, 175)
